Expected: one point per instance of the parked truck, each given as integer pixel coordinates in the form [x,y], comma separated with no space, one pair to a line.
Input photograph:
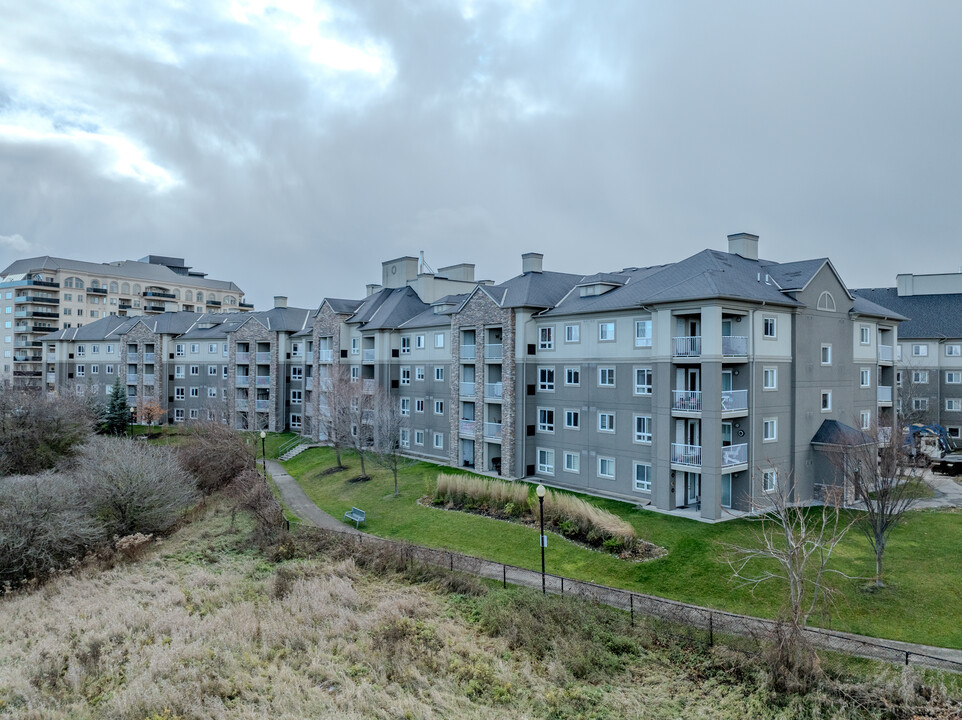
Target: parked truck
[929,444]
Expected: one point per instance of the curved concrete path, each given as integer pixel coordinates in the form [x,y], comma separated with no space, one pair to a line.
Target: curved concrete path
[301,505]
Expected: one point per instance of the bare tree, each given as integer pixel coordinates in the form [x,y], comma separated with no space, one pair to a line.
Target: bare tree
[37,431]
[214,454]
[334,419]
[358,422]
[916,400]
[387,424]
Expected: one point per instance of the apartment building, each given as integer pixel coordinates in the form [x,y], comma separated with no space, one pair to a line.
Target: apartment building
[44,294]
[928,357]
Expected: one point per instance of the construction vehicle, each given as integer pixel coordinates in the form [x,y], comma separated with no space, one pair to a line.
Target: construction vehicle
[928,444]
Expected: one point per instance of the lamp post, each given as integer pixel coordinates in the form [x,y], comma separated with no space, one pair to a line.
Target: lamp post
[540,491]
[264,451]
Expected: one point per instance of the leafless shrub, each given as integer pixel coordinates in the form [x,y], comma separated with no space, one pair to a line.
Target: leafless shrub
[132,546]
[255,497]
[214,455]
[37,431]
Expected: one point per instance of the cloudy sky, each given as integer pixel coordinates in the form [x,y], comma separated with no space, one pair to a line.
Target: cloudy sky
[292,145]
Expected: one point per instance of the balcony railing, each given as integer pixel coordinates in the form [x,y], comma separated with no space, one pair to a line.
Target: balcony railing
[368,355]
[213,303]
[467,389]
[734,346]
[242,380]
[262,381]
[155,294]
[99,291]
[735,455]
[148,378]
[309,383]
[308,357]
[243,358]
[263,358]
[492,430]
[686,400]
[493,352]
[885,393]
[148,357]
[262,405]
[368,385]
[27,358]
[468,352]
[37,299]
[133,357]
[492,390]
[241,404]
[154,308]
[325,356]
[51,377]
[885,353]
[688,346]
[467,427]
[734,400]
[131,378]
[689,455]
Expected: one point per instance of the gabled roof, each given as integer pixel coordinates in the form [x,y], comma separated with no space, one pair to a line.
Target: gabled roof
[533,289]
[388,308]
[341,306]
[929,316]
[832,432]
[794,275]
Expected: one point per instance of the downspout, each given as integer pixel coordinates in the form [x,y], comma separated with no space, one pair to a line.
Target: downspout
[752,423]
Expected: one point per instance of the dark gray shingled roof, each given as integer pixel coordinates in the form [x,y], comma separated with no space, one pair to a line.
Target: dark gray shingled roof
[96,330]
[929,316]
[832,432]
[793,275]
[533,289]
[388,309]
[428,318]
[343,307]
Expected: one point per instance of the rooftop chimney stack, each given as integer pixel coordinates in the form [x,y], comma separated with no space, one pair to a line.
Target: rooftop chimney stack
[280,301]
[532,262]
[744,244]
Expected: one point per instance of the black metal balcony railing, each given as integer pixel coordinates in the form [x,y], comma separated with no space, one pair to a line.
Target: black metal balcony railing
[97,291]
[215,303]
[43,283]
[39,299]
[158,294]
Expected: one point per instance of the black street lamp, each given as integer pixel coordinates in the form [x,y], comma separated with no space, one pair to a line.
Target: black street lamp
[264,451]
[540,491]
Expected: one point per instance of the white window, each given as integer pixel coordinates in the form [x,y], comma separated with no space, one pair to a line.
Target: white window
[95,349]
[606,467]
[826,354]
[439,440]
[642,333]
[546,461]
[194,348]
[898,353]
[297,397]
[572,333]
[295,421]
[405,344]
[770,378]
[572,419]
[439,373]
[546,378]
[195,369]
[297,373]
[419,405]
[179,349]
[405,439]
[439,407]
[419,342]
[419,372]
[546,338]
[866,417]
[439,340]
[920,350]
[178,371]
[954,431]
[770,429]
[920,403]
[95,313]
[769,327]
[80,371]
[572,376]
[606,421]
[212,392]
[212,348]
[864,335]
[224,374]
[405,406]
[419,437]
[212,370]
[405,376]
[80,351]
[953,377]
[642,477]
[643,428]
[355,346]
[109,369]
[355,374]
[826,400]
[178,393]
[546,420]
[953,404]
[606,377]
[864,377]
[826,301]
[195,392]
[178,414]
[110,349]
[606,331]
[643,381]
[920,377]
[572,462]
[769,479]
[953,350]
[95,369]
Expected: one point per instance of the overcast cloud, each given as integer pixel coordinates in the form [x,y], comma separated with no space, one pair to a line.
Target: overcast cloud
[292,146]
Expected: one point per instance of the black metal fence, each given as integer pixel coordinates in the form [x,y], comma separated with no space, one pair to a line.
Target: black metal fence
[681,621]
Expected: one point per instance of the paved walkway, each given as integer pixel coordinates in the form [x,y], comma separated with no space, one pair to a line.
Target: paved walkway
[301,505]
[948,492]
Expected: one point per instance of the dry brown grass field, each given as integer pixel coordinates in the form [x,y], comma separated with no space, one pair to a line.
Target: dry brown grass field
[203,626]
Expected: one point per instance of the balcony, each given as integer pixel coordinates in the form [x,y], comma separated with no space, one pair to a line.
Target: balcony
[37,299]
[688,401]
[885,353]
[43,283]
[131,378]
[101,291]
[133,357]
[246,305]
[734,401]
[242,381]
[493,352]
[492,391]
[242,404]
[325,356]
[263,358]
[213,303]
[688,346]
[687,455]
[492,430]
[885,394]
[262,405]
[243,358]
[148,379]
[734,346]
[156,294]
[262,381]
[27,373]
[367,355]
[468,352]
[468,427]
[308,383]
[467,389]
[733,455]
[148,358]
[27,358]
[308,357]
[154,308]
[368,385]
[125,306]
[51,377]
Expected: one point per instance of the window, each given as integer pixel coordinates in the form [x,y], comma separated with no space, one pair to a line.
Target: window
[405,376]
[546,420]
[864,335]
[95,369]
[439,440]
[419,342]
[826,354]
[178,371]
[606,377]
[295,421]
[405,406]
[606,467]
[572,333]
[94,313]
[212,392]
[355,374]
[546,461]
[195,369]
[642,477]
[80,351]
[80,371]
[405,439]
[769,327]
[212,370]
[109,369]
[179,349]
[920,376]
[546,338]
[572,462]
[866,417]
[95,349]
[643,428]
[572,376]
[405,344]
[195,392]
[864,377]
[572,420]
[110,349]
[297,397]
[194,413]
[769,479]
[439,373]
[770,430]
[643,381]
[355,346]
[920,350]
[953,377]
[297,373]
[954,431]
[224,374]
[439,340]
[826,301]
[642,333]
[194,348]
[606,331]
[770,378]
[546,379]
[920,403]
[953,350]
[953,404]
[419,372]
[439,407]
[178,414]
[212,348]
[419,405]
[179,393]
[606,421]
[826,400]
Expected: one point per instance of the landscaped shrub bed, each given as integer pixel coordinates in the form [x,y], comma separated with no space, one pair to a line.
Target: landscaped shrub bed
[570,516]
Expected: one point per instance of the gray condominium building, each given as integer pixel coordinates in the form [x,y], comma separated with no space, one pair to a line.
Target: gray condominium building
[696,387]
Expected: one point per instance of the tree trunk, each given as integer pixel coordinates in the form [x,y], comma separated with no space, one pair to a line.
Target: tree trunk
[360,455]
[395,482]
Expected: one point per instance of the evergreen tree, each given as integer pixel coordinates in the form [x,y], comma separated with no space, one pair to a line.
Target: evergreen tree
[118,414]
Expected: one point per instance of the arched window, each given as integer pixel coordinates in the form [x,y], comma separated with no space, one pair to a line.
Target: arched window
[189,296]
[229,299]
[113,287]
[826,301]
[176,294]
[200,296]
[125,288]
[136,289]
[68,283]
[95,283]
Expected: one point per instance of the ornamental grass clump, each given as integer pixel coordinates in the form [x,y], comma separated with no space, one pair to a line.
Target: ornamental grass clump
[580,520]
[469,492]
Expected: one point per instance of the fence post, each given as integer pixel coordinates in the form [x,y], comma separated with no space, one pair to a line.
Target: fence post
[906,658]
[504,576]
[631,602]
[562,585]
[451,558]
[711,628]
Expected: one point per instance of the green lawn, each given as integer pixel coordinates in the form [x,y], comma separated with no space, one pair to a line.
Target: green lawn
[920,603]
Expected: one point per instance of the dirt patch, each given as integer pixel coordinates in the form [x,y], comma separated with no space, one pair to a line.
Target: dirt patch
[332,470]
[359,478]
